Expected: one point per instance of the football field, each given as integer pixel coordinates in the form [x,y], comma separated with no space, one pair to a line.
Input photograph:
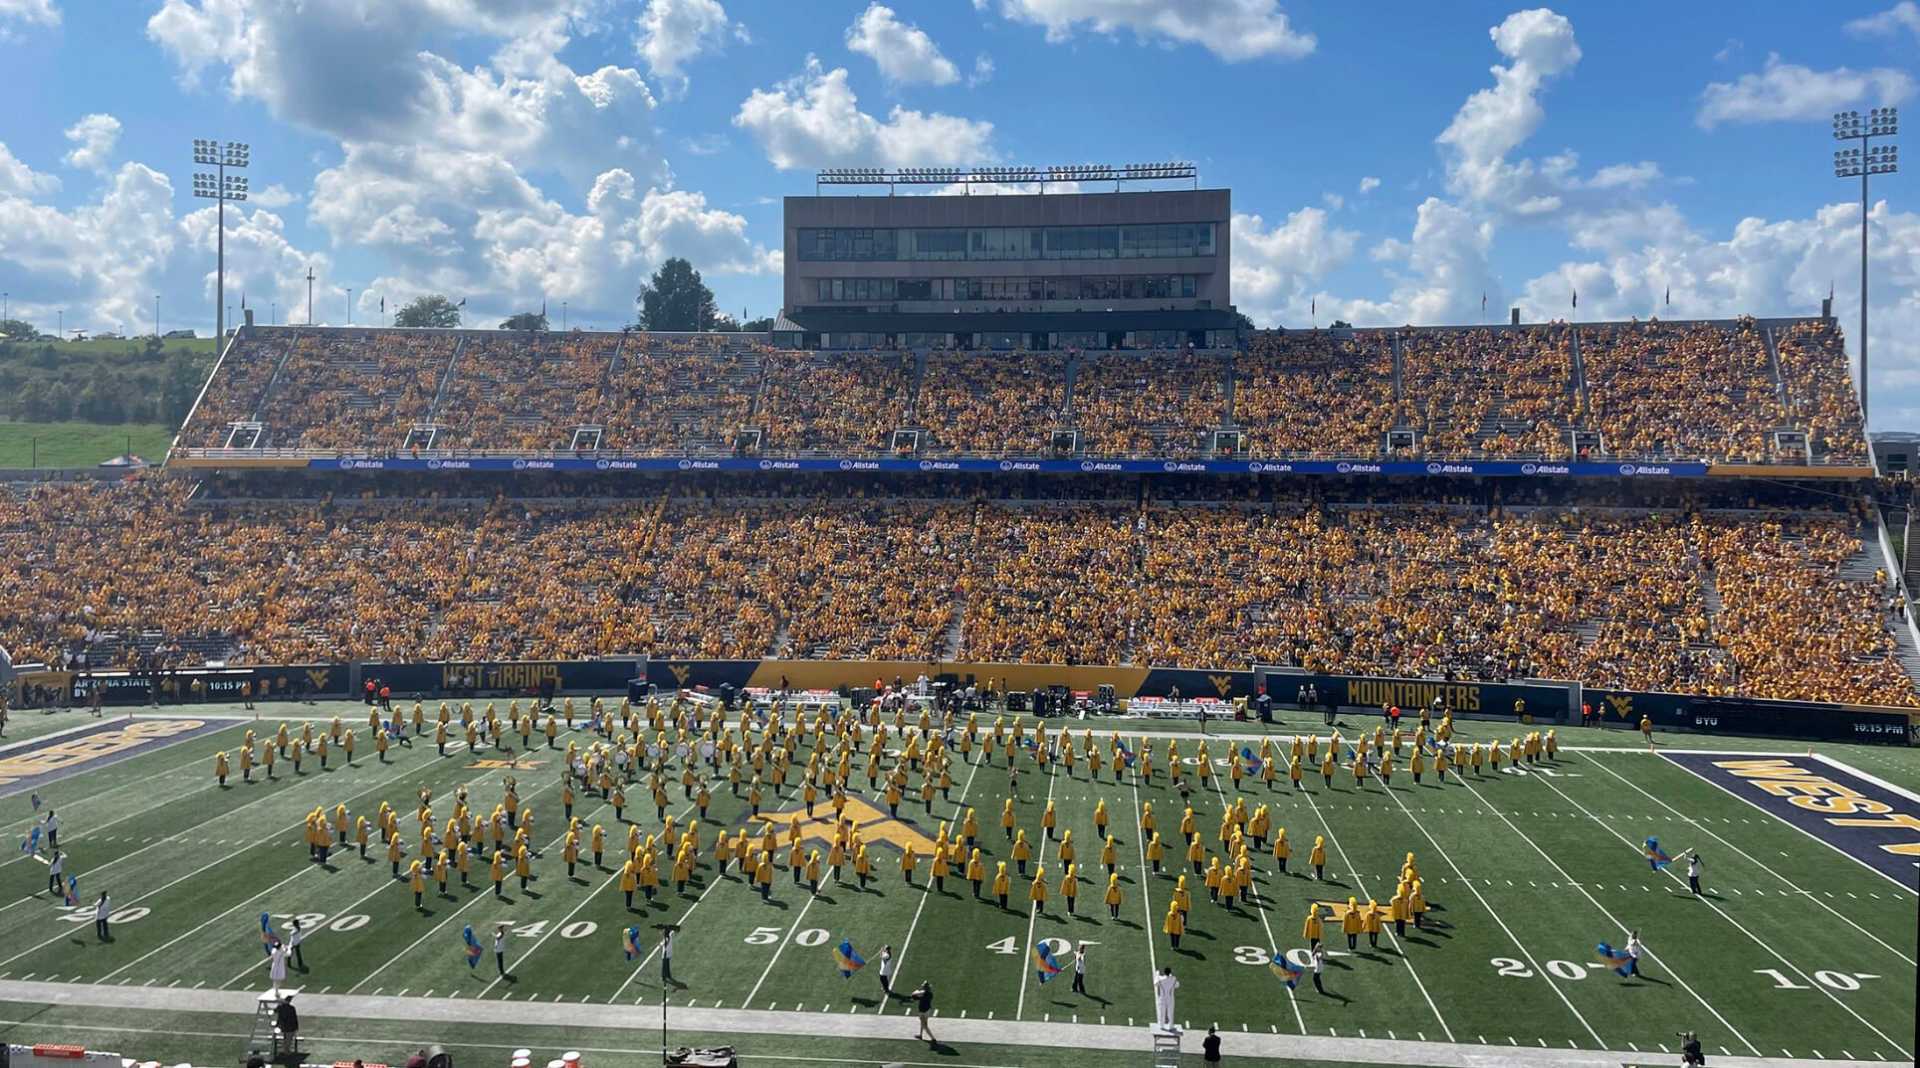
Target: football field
[1800,946]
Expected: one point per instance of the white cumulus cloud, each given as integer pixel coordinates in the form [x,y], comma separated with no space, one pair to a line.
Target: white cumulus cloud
[814,120]
[1789,92]
[903,52]
[94,138]
[672,33]
[1904,15]
[1234,30]
[1369,184]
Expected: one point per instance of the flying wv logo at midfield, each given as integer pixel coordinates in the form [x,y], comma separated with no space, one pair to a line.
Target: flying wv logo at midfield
[873,824]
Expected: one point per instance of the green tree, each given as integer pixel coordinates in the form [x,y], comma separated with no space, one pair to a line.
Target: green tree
[676,299]
[179,389]
[429,310]
[100,402]
[17,330]
[526,321]
[758,326]
[57,403]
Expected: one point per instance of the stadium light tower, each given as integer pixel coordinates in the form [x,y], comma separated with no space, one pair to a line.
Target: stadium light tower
[1862,162]
[220,188]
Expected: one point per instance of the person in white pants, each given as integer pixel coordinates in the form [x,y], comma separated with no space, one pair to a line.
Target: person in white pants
[277,965]
[1163,987]
[886,970]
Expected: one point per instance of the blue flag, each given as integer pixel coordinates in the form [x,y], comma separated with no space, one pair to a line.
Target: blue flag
[1044,963]
[31,843]
[1284,968]
[474,952]
[267,937]
[1254,763]
[1657,858]
[73,890]
[1125,753]
[1617,960]
[630,943]
[847,959]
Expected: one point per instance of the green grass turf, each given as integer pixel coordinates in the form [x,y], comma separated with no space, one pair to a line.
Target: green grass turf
[79,444]
[1553,864]
[26,724]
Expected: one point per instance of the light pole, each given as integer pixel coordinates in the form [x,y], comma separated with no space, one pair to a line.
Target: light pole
[220,188]
[1861,162]
[309,296]
[349,305]
[563,316]
[156,316]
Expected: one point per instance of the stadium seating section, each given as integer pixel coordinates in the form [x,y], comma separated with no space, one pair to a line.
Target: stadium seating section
[1714,391]
[1780,604]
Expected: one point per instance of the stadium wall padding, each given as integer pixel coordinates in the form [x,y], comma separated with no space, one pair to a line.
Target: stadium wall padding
[517,676]
[217,684]
[1753,716]
[1549,701]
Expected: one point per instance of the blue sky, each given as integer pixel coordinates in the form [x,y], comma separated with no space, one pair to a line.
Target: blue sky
[1388,163]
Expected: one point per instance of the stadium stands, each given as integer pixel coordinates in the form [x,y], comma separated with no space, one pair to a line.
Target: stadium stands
[1767,603]
[1748,391]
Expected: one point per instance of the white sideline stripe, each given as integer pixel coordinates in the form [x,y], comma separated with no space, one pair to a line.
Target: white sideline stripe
[1795,826]
[1743,930]
[1797,888]
[1033,907]
[464,906]
[201,871]
[1348,861]
[959,809]
[1870,777]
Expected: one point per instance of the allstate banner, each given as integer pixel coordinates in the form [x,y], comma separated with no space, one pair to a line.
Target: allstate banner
[1464,697]
[656,464]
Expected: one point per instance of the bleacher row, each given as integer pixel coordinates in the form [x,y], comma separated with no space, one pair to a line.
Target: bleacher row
[1715,391]
[1732,601]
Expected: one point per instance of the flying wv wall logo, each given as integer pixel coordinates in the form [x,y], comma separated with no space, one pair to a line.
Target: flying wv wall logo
[1044,963]
[873,825]
[681,673]
[1221,683]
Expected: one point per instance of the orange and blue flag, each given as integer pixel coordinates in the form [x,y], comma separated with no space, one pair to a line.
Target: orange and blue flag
[630,943]
[1285,969]
[847,959]
[1657,858]
[73,890]
[267,937]
[1126,754]
[1619,960]
[474,952]
[1254,763]
[31,843]
[1044,963]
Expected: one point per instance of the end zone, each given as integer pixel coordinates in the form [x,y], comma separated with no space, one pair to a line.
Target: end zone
[1852,813]
[56,757]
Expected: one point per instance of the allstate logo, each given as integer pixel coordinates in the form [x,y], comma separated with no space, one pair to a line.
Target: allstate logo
[433,465]
[766,465]
[1528,469]
[926,465]
[1006,465]
[685,464]
[601,465]
[1626,469]
[1433,469]
[519,465]
[346,465]
[1169,466]
[846,465]
[1086,465]
[1343,467]
[1256,467]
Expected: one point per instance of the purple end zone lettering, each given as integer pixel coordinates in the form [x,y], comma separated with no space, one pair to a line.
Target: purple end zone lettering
[1868,822]
[106,743]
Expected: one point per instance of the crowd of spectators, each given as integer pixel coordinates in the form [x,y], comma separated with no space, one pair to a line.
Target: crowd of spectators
[1611,597]
[1315,393]
[992,402]
[1149,403]
[1656,391]
[1679,390]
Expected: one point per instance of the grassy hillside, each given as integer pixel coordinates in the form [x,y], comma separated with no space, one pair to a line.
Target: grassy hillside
[79,444]
[113,382]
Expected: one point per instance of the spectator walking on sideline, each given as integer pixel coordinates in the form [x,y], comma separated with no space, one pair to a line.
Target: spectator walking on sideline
[886,970]
[1210,1049]
[101,910]
[1080,968]
[1163,987]
[296,935]
[923,1007]
[55,866]
[1693,872]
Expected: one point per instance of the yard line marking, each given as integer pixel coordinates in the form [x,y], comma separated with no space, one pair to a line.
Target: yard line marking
[589,896]
[1743,930]
[1259,906]
[201,871]
[1767,868]
[635,974]
[1033,907]
[216,917]
[1146,876]
[1494,913]
[959,808]
[1348,861]
[1603,911]
[464,906]
[777,950]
